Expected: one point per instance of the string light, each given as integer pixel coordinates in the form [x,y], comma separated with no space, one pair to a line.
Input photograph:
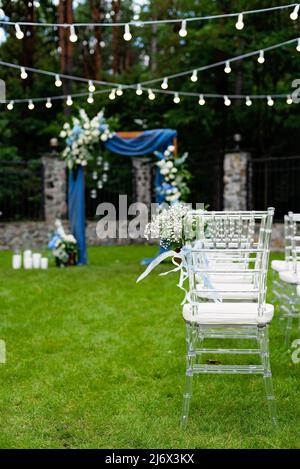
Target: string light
[248,101]
[119,91]
[289,99]
[201,100]
[112,95]
[48,103]
[298,45]
[69,101]
[23,74]
[164,84]
[139,90]
[91,86]
[127,34]
[261,57]
[194,76]
[58,81]
[90,99]
[151,95]
[176,98]
[183,30]
[73,36]
[270,101]
[227,68]
[294,14]
[30,105]
[10,105]
[19,32]
[227,101]
[240,23]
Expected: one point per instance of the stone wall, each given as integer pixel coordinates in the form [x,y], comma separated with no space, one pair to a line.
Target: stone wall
[24,235]
[55,188]
[235,181]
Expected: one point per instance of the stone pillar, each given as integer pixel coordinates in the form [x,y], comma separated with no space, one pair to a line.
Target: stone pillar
[235,181]
[142,180]
[55,188]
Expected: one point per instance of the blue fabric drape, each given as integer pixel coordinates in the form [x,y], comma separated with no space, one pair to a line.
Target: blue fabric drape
[77,211]
[147,142]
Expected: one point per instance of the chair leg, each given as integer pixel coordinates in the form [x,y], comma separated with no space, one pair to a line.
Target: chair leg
[265,358]
[288,330]
[187,396]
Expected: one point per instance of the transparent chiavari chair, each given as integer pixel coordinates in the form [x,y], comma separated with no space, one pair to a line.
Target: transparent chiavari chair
[215,315]
[290,279]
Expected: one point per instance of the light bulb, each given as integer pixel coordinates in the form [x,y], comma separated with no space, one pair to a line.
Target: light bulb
[58,81]
[227,68]
[112,95]
[19,32]
[91,86]
[73,36]
[183,31]
[240,23]
[298,45]
[139,90]
[127,34]
[164,84]
[194,76]
[248,101]
[261,57]
[10,105]
[24,74]
[227,101]
[151,95]
[30,105]
[90,99]
[289,99]
[176,99]
[294,14]
[270,101]
[201,100]
[119,91]
[48,103]
[69,101]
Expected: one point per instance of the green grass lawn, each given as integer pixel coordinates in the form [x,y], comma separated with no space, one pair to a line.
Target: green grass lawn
[96,361]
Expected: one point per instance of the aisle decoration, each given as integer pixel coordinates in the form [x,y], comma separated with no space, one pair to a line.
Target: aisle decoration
[63,246]
[174,175]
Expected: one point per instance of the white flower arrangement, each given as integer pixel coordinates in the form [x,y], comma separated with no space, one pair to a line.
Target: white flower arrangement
[83,137]
[63,245]
[175,176]
[167,226]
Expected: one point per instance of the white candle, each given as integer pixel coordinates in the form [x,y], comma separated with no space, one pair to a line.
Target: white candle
[17,261]
[27,262]
[36,260]
[44,263]
[27,253]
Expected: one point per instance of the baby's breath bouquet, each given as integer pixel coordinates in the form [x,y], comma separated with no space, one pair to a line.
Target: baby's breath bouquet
[167,226]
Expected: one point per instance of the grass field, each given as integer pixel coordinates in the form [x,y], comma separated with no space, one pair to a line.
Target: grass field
[96,361]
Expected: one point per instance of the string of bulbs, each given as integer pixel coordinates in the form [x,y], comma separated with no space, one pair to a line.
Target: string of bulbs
[113,94]
[118,87]
[127,31]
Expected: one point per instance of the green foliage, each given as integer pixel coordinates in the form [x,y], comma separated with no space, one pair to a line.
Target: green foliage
[204,131]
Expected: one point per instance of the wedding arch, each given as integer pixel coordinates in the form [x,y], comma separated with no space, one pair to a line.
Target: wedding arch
[130,144]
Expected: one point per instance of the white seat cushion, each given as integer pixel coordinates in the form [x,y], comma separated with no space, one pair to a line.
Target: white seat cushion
[279,266]
[289,277]
[231,291]
[228,313]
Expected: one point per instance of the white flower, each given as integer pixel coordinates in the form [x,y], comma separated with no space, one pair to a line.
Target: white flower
[103,137]
[171,148]
[63,134]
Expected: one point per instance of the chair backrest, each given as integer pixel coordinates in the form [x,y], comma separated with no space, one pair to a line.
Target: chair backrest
[236,239]
[292,243]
